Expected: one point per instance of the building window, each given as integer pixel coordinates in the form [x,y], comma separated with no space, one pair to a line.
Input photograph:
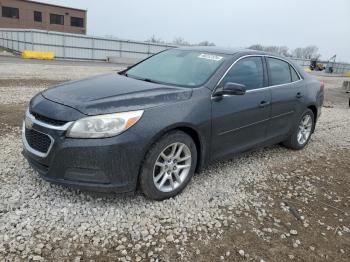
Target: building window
[77,21]
[10,12]
[56,19]
[38,17]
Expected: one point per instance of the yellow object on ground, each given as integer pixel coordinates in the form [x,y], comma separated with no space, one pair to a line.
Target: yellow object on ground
[308,70]
[38,55]
[347,74]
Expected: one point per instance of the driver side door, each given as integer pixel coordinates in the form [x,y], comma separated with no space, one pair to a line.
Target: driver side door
[239,122]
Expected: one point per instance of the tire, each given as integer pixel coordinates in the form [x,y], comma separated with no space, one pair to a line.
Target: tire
[155,164]
[297,144]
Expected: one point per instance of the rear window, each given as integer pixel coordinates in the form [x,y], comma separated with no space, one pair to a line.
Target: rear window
[279,71]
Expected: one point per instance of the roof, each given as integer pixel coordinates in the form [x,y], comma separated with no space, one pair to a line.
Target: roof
[60,6]
[219,50]
[234,51]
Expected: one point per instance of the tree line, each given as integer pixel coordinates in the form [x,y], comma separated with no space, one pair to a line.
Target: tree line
[308,52]
[178,41]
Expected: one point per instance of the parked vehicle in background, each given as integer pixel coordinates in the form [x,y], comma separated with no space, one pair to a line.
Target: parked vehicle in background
[314,65]
[153,125]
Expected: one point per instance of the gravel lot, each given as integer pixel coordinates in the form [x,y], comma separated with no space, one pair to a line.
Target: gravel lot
[273,204]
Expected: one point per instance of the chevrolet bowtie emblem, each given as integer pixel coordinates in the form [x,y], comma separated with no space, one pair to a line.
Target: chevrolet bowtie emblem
[29,123]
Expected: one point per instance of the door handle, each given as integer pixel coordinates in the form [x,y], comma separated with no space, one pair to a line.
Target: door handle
[264,103]
[299,95]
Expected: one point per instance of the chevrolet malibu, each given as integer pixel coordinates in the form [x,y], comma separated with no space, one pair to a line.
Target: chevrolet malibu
[153,125]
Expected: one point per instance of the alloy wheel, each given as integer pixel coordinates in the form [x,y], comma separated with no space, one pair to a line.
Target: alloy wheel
[304,131]
[172,167]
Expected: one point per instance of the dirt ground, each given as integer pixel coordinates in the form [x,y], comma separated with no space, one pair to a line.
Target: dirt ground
[307,199]
[315,217]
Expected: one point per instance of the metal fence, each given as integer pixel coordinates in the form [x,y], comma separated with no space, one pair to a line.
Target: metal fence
[338,68]
[72,46]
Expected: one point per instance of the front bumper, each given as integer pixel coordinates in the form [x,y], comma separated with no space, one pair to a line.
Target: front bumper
[102,165]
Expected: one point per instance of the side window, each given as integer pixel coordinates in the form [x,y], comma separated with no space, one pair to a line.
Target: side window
[247,71]
[295,76]
[279,71]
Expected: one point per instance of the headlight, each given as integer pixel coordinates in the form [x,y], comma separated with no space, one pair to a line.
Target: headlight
[104,125]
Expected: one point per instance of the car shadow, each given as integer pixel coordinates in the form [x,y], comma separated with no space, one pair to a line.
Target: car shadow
[214,167]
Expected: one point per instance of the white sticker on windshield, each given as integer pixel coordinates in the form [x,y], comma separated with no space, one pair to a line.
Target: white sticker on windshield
[210,57]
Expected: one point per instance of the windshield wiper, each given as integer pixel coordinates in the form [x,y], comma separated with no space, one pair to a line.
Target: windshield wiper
[143,79]
[150,80]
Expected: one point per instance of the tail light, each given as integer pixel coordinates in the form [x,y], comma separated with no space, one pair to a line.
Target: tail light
[322,86]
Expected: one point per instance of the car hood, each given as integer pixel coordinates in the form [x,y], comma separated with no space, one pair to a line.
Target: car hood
[112,93]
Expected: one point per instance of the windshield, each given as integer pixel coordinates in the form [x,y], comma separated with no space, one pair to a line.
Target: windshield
[178,67]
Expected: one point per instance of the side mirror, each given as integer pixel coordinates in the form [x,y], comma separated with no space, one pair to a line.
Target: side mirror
[232,89]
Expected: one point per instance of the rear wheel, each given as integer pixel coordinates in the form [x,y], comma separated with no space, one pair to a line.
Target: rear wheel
[168,166]
[302,133]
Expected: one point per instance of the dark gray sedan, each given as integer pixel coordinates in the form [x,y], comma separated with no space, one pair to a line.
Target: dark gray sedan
[155,124]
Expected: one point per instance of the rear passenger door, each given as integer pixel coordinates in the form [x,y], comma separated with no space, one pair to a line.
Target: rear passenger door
[285,87]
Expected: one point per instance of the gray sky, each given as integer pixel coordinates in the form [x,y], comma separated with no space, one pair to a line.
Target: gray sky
[227,23]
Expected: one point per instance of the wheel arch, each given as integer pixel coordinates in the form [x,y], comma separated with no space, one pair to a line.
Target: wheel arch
[190,130]
[314,110]
[194,134]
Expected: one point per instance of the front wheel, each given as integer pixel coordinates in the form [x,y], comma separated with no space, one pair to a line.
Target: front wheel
[168,166]
[302,133]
